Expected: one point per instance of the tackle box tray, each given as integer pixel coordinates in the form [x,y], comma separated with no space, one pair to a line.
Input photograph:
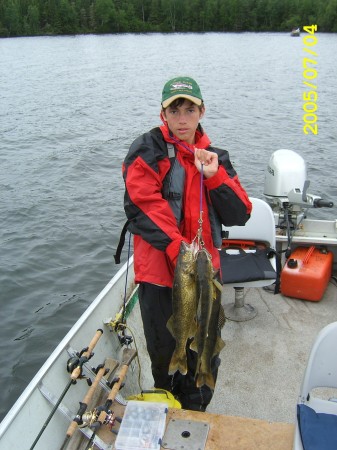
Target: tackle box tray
[142,426]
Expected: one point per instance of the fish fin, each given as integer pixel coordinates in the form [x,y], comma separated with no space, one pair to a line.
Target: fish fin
[218,346]
[217,284]
[222,318]
[207,379]
[194,333]
[197,370]
[178,363]
[193,329]
[194,344]
[169,325]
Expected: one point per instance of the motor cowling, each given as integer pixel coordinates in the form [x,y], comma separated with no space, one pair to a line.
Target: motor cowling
[286,187]
[285,172]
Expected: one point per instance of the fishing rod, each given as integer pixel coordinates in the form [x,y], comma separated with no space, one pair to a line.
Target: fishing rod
[123,338]
[102,415]
[119,323]
[74,367]
[100,371]
[86,355]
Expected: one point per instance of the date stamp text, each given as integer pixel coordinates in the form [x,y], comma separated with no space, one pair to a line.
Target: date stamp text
[310,95]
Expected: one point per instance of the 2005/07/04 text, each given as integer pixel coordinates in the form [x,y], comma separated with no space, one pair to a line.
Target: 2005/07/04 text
[309,76]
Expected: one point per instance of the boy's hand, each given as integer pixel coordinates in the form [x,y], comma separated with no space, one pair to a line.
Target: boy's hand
[209,161]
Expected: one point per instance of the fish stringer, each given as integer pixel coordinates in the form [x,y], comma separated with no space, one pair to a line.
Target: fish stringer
[198,240]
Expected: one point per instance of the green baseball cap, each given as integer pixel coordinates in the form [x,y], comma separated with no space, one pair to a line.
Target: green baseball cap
[178,87]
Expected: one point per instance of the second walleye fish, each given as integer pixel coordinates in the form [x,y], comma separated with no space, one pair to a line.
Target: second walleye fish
[207,342]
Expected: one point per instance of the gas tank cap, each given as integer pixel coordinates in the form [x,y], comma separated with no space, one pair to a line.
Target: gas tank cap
[292,263]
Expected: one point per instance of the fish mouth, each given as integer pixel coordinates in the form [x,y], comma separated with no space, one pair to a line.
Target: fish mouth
[204,253]
[192,247]
[184,246]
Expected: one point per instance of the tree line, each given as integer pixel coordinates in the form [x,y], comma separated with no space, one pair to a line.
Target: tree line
[53,17]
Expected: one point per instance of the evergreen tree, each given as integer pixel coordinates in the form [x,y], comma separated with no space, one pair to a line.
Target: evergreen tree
[32,17]
[12,19]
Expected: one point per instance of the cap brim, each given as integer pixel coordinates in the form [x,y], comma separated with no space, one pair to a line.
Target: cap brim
[195,100]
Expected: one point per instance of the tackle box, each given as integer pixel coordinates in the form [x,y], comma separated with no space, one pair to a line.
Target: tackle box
[306,273]
[142,426]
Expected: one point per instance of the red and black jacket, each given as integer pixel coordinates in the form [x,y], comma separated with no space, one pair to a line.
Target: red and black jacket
[151,205]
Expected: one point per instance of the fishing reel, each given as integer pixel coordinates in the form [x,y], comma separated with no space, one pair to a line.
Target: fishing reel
[119,326]
[72,363]
[124,339]
[91,418]
[77,361]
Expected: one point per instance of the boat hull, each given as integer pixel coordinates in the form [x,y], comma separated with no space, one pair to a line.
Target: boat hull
[29,413]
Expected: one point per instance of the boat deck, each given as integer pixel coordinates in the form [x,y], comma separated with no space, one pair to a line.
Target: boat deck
[262,366]
[259,378]
[240,433]
[224,432]
[264,359]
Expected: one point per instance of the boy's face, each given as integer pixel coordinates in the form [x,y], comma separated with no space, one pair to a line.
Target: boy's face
[183,120]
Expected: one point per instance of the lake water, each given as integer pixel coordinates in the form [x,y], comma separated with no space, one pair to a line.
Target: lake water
[69,109]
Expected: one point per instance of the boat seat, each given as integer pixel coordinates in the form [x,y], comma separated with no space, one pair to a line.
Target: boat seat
[316,424]
[259,229]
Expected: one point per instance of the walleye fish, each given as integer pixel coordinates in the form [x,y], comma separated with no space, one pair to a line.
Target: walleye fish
[210,318]
[204,273]
[213,343]
[182,324]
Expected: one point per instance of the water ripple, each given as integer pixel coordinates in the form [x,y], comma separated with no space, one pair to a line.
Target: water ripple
[71,106]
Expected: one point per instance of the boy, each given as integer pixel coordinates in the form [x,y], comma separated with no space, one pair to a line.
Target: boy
[162,173]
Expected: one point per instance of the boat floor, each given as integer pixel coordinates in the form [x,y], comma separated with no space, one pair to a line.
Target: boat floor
[263,362]
[224,432]
[262,366]
[239,433]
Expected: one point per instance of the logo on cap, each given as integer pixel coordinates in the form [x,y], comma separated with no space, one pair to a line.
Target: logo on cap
[181,86]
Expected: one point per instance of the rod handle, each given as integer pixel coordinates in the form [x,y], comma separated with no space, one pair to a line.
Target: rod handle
[93,342]
[88,397]
[114,391]
[76,373]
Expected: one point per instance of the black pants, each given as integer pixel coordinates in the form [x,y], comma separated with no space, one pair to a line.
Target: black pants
[156,308]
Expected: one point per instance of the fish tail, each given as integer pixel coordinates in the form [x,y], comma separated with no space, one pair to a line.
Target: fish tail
[205,379]
[178,362]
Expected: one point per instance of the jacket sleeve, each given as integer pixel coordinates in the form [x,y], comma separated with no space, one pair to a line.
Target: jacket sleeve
[228,197]
[149,213]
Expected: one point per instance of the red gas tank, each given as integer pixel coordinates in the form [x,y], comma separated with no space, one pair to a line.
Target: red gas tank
[307,273]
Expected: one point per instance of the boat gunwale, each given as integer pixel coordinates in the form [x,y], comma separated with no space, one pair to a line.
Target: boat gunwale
[42,372]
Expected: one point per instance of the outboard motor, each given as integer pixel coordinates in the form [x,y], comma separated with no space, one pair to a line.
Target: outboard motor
[286,189]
